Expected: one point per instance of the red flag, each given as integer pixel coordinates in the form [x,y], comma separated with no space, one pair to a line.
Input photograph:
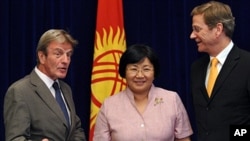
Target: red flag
[110,43]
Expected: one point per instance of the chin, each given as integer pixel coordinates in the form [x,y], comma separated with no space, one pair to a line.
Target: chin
[61,76]
[200,49]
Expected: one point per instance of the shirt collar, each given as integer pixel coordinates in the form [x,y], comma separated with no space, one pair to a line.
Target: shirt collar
[130,94]
[48,81]
[223,54]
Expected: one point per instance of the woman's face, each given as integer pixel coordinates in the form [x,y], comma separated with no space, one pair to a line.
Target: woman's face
[140,76]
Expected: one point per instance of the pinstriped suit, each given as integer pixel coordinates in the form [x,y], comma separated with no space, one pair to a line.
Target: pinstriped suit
[31,112]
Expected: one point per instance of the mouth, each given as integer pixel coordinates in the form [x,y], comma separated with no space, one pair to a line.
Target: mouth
[198,43]
[139,82]
[63,69]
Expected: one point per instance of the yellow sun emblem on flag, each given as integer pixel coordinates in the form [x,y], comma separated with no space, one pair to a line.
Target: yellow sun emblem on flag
[105,79]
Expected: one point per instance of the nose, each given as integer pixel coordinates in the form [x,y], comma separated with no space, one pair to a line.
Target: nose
[66,58]
[139,73]
[192,35]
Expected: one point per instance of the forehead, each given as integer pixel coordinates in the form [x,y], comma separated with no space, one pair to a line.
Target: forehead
[198,20]
[63,45]
[143,62]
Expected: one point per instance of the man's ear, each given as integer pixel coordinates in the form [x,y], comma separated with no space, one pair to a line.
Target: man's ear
[219,28]
[41,57]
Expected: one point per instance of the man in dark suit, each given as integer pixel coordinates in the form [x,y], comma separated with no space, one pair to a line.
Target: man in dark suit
[31,111]
[229,100]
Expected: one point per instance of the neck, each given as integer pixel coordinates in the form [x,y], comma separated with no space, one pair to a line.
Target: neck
[141,102]
[219,46]
[140,97]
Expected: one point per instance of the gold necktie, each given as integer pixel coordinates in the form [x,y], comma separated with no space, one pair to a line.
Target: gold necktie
[212,76]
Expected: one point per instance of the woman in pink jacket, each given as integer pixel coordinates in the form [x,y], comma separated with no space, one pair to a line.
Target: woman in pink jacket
[142,112]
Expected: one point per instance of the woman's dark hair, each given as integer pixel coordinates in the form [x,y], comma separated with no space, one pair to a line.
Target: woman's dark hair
[135,54]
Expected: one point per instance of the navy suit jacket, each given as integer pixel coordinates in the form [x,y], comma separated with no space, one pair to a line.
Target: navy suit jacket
[229,103]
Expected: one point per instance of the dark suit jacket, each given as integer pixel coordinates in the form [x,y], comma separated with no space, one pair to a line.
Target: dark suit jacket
[229,103]
[32,113]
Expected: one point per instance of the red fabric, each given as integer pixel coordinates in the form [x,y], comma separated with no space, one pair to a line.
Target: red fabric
[109,43]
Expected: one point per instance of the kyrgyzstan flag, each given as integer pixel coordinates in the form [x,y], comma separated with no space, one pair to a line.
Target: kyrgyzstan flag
[109,45]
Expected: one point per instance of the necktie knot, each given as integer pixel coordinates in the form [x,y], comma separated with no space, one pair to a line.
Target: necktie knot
[214,62]
[55,86]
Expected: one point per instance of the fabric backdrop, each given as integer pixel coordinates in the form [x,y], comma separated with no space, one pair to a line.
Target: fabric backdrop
[163,25]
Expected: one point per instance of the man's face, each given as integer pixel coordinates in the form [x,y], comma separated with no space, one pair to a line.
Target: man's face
[56,63]
[203,36]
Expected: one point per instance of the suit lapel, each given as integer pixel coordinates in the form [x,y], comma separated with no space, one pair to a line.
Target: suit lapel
[66,95]
[230,63]
[44,93]
[203,67]
[67,98]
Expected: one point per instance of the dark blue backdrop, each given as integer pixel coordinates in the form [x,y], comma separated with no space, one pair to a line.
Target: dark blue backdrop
[164,25]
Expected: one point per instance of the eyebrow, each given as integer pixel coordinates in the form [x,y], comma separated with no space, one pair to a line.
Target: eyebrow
[196,28]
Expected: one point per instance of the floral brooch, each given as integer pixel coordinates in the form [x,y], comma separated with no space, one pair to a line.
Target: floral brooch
[158,101]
